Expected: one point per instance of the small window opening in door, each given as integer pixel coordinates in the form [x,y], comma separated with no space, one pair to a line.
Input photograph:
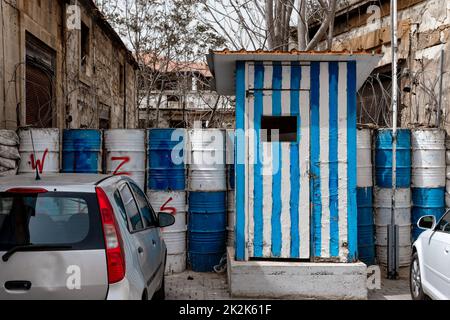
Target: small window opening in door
[285,127]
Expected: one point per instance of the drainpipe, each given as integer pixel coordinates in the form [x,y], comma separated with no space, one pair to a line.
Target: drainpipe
[438,111]
[125,94]
[393,229]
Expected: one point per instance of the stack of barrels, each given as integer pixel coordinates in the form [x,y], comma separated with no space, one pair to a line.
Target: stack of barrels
[231,199]
[383,193]
[428,175]
[366,236]
[207,185]
[167,190]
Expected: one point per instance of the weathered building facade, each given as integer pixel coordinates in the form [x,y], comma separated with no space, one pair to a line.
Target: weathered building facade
[63,66]
[424,36]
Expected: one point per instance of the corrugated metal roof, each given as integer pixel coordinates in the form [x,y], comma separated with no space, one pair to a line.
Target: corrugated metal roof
[293,52]
[223,63]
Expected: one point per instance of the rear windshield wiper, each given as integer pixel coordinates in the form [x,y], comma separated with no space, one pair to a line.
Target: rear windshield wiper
[33,247]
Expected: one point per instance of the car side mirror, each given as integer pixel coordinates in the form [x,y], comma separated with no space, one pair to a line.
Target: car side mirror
[165,220]
[427,222]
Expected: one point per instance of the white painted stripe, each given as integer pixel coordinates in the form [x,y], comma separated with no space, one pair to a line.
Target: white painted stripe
[267,169]
[342,156]
[324,158]
[286,170]
[305,84]
[249,186]
[304,154]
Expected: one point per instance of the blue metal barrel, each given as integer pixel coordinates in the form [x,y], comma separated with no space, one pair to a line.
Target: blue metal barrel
[366,238]
[164,172]
[383,158]
[82,151]
[207,229]
[426,202]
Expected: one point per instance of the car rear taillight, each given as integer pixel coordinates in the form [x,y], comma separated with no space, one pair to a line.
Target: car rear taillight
[27,190]
[115,255]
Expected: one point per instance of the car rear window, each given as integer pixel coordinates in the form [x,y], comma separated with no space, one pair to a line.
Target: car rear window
[52,218]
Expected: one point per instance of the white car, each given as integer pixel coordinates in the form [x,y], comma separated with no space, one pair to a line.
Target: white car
[74,236]
[430,265]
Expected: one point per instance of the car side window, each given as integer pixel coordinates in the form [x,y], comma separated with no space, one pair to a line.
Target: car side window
[444,224]
[131,209]
[121,206]
[146,210]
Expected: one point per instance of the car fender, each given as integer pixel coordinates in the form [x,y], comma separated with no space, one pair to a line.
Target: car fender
[419,247]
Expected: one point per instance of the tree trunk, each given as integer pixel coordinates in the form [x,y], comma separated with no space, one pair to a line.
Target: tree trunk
[331,11]
[269,24]
[331,27]
[287,30]
[302,27]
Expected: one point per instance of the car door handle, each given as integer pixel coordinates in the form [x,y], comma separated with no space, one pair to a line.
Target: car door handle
[140,250]
[18,285]
[447,250]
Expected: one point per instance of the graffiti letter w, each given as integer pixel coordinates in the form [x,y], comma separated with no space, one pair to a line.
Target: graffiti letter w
[38,163]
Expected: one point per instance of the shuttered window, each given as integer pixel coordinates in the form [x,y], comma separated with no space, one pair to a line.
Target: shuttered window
[40,66]
[39,97]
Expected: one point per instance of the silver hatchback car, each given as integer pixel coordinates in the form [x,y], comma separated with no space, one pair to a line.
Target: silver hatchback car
[79,237]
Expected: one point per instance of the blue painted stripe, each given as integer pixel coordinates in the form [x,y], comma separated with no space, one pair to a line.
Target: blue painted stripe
[240,161]
[258,177]
[333,156]
[276,186]
[296,74]
[316,195]
[351,154]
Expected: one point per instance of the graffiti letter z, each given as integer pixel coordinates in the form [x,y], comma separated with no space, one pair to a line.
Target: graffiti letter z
[124,160]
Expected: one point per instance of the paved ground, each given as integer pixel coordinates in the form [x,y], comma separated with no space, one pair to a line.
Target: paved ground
[210,286]
[197,286]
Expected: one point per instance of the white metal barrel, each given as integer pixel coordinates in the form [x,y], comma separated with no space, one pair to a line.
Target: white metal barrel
[125,154]
[364,155]
[231,212]
[402,214]
[428,158]
[174,236]
[405,254]
[207,170]
[176,263]
[383,205]
[44,155]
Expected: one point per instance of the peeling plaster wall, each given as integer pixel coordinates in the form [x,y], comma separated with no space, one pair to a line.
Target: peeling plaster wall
[424,31]
[79,91]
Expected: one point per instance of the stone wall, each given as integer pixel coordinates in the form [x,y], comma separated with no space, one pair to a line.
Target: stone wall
[424,31]
[83,93]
